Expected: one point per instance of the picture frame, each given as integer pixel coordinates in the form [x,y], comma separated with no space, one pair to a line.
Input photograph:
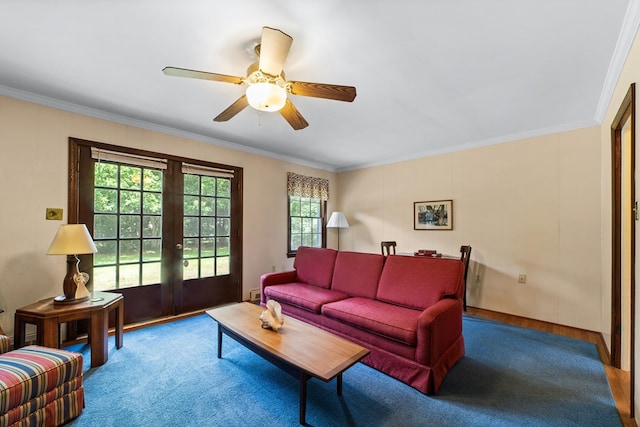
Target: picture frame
[433,215]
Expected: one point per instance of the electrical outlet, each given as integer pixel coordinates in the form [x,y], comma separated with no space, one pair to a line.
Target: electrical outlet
[254,294]
[522,278]
[273,268]
[477,278]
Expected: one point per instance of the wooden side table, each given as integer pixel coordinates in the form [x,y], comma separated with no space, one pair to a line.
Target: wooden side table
[48,316]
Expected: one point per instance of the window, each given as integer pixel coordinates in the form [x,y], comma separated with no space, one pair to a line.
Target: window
[307,205]
[305,222]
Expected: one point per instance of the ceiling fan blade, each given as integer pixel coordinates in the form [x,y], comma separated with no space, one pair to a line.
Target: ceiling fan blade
[274,48]
[194,74]
[240,104]
[323,90]
[293,116]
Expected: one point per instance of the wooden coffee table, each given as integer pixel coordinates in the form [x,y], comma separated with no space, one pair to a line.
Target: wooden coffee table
[298,348]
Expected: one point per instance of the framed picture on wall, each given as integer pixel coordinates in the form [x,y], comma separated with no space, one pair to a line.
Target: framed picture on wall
[433,215]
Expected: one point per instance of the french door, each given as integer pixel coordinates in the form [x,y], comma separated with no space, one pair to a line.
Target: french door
[167,229]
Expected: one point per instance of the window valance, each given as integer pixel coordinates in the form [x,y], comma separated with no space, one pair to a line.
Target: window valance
[307,186]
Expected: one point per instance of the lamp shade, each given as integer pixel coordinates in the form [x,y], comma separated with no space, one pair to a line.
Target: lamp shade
[72,239]
[338,220]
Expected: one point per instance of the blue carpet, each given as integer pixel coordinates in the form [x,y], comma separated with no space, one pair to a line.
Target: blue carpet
[169,375]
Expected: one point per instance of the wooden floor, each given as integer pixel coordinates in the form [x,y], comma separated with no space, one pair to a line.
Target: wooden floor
[618,380]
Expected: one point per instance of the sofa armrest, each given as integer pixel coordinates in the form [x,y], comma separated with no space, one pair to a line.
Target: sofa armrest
[277,278]
[439,326]
[5,344]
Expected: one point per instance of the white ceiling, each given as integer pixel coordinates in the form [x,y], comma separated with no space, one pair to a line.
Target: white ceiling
[432,76]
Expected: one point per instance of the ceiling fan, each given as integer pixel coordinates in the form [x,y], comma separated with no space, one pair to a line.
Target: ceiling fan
[267,88]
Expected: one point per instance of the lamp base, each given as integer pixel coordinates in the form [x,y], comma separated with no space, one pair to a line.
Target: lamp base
[62,300]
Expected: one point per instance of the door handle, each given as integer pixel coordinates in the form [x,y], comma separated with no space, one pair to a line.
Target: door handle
[179,246]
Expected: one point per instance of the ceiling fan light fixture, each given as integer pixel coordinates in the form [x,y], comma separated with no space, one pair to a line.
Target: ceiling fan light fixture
[266,96]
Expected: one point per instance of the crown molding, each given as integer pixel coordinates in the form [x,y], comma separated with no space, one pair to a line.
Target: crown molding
[627,35]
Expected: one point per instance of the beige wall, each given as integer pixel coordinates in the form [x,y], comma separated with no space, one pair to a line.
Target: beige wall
[33,177]
[529,206]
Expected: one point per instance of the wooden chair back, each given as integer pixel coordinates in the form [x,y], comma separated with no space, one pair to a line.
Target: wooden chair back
[465,254]
[387,247]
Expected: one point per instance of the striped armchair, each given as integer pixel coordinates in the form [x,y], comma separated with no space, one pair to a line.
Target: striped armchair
[5,341]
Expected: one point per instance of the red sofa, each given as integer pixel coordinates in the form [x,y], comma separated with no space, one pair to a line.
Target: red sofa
[406,310]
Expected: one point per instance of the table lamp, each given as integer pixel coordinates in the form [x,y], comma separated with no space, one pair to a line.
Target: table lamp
[73,240]
[338,220]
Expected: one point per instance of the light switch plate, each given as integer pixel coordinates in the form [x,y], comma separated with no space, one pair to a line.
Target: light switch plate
[54,214]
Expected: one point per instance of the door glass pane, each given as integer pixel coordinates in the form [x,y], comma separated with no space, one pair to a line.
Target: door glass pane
[107,252]
[208,186]
[152,203]
[191,205]
[151,250]
[207,267]
[152,226]
[152,180]
[105,226]
[191,184]
[208,206]
[222,265]
[208,247]
[151,273]
[191,226]
[207,226]
[191,270]
[129,251]
[222,246]
[130,177]
[104,278]
[105,200]
[130,202]
[129,276]
[106,175]
[127,227]
[191,248]
[223,227]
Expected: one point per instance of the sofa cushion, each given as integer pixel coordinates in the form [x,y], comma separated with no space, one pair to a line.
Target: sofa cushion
[315,265]
[357,273]
[388,320]
[419,282]
[303,295]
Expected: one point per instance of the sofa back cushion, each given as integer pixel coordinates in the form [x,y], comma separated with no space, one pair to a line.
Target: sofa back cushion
[420,282]
[357,273]
[315,265]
